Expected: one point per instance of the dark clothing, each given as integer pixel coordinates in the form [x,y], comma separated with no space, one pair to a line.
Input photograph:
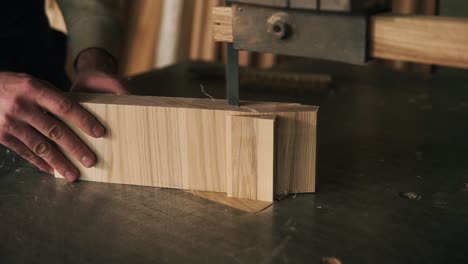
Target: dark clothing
[29,45]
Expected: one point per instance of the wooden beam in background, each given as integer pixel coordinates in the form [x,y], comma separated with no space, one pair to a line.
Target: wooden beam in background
[422,39]
[176,33]
[413,7]
[142,21]
[202,46]
[182,143]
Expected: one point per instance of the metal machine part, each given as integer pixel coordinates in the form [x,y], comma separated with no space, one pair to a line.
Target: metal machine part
[232,72]
[335,30]
[232,75]
[336,37]
[322,5]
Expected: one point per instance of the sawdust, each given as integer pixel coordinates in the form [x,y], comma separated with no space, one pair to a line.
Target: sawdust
[202,89]
[205,93]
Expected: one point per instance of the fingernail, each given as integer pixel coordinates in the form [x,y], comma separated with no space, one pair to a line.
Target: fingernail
[98,131]
[71,176]
[88,161]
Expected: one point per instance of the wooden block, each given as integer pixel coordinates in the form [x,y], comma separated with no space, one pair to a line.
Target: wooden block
[296,152]
[251,206]
[222,24]
[422,39]
[181,142]
[250,157]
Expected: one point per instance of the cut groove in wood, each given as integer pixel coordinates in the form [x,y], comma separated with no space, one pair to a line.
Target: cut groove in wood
[181,142]
[423,39]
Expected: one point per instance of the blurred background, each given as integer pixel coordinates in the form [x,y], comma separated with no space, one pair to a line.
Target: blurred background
[158,33]
[185,25]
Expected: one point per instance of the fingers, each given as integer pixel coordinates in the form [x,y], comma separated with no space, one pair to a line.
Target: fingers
[99,83]
[44,149]
[60,105]
[22,150]
[61,134]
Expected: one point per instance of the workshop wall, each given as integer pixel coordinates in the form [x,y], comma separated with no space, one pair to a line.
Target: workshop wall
[158,33]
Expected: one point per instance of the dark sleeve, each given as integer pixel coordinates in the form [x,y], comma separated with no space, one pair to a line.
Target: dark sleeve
[92,24]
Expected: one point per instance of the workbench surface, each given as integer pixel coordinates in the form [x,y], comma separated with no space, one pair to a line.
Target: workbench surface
[392,187]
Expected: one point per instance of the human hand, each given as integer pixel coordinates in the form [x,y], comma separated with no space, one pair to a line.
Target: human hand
[28,129]
[98,82]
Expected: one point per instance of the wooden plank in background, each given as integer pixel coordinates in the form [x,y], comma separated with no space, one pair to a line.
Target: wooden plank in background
[199,12]
[202,45]
[142,18]
[210,48]
[422,39]
[181,142]
[245,58]
[54,14]
[176,28]
[266,60]
[413,7]
[250,157]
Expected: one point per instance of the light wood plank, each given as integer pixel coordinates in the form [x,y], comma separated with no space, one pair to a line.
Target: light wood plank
[251,206]
[181,142]
[250,157]
[222,24]
[422,39]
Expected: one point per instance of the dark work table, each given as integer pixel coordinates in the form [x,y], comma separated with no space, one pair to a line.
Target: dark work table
[392,185]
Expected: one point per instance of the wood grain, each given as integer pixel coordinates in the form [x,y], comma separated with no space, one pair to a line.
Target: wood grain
[222,24]
[422,39]
[250,157]
[247,205]
[296,152]
[181,142]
